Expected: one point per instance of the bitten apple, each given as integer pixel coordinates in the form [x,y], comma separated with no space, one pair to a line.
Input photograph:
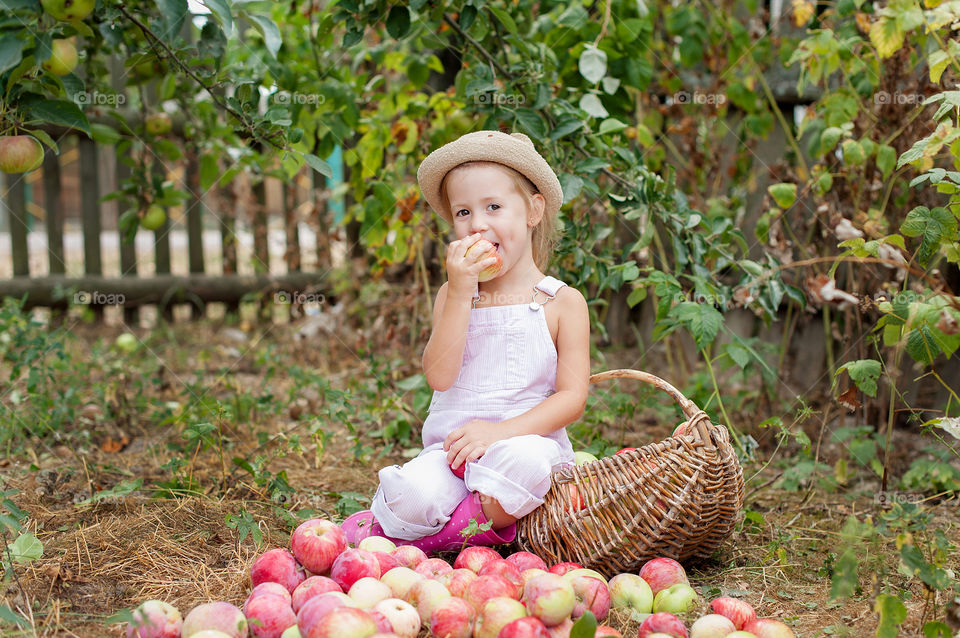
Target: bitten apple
[484,249]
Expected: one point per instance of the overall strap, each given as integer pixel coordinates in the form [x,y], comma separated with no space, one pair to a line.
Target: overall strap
[550,285]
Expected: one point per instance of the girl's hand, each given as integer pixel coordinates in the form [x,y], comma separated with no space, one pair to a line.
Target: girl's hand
[469,442]
[463,271]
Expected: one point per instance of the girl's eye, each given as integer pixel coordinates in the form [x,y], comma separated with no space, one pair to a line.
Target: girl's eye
[462,212]
[494,206]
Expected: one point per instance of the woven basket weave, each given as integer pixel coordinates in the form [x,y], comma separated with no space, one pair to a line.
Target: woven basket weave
[678,498]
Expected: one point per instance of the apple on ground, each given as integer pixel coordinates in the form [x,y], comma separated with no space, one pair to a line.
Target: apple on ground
[629,590]
[549,597]
[739,612]
[69,10]
[425,595]
[506,569]
[575,502]
[63,58]
[352,565]
[624,450]
[369,591]
[387,562]
[663,572]
[383,625]
[433,567]
[526,560]
[606,631]
[484,249]
[526,627]
[768,628]
[583,571]
[562,568]
[591,595]
[344,622]
[403,617]
[155,619]
[741,634]
[271,589]
[318,606]
[486,587]
[662,622]
[269,616]
[474,558]
[495,614]
[527,574]
[409,555]
[311,587]
[561,629]
[712,626]
[209,633]
[316,543]
[400,580]
[292,632]
[377,544]
[219,615]
[20,154]
[457,581]
[277,566]
[452,618]
[676,599]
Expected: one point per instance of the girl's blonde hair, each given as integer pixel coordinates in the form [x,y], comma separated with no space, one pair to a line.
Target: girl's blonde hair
[544,234]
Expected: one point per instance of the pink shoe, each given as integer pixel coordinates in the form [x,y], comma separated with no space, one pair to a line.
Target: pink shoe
[449,538]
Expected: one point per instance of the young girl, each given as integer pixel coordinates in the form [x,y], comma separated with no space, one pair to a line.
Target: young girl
[508,358]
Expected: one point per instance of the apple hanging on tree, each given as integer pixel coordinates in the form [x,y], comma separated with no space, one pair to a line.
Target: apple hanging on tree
[20,154]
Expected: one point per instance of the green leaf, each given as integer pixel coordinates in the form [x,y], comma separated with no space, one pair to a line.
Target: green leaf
[570,185]
[26,548]
[13,617]
[504,18]
[173,13]
[11,52]
[886,159]
[853,153]
[933,226]
[531,123]
[585,627]
[844,579]
[59,112]
[268,29]
[829,139]
[933,576]
[922,344]
[593,106]
[209,170]
[121,489]
[103,134]
[784,194]
[864,373]
[565,126]
[700,319]
[611,125]
[892,614]
[221,11]
[592,64]
[636,296]
[398,21]
[318,165]
[936,630]
[886,36]
[937,61]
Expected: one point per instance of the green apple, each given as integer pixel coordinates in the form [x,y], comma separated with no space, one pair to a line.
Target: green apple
[63,59]
[158,124]
[629,590]
[582,457]
[126,342]
[69,10]
[583,571]
[20,153]
[154,217]
[676,599]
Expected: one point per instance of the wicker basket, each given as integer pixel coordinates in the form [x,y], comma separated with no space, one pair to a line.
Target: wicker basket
[678,498]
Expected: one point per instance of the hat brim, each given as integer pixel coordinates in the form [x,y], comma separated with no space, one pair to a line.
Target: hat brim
[515,151]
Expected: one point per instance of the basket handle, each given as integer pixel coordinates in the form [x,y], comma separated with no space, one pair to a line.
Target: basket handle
[689,408]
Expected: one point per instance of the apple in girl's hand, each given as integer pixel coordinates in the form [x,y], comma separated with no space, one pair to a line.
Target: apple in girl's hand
[310,588]
[562,568]
[712,626]
[660,573]
[433,567]
[676,599]
[526,560]
[352,565]
[662,622]
[277,566]
[629,590]
[483,249]
[452,618]
[461,470]
[738,611]
[317,543]
[409,555]
[156,619]
[768,628]
[474,558]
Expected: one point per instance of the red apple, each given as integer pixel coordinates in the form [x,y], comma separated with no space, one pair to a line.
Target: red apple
[624,450]
[387,562]
[526,627]
[606,631]
[218,615]
[403,617]
[20,154]
[662,622]
[486,587]
[277,566]
[384,628]
[433,567]
[155,619]
[682,430]
[562,568]
[400,580]
[452,618]
[591,595]
[457,581]
[712,626]
[311,587]
[352,565]
[344,622]
[409,555]
[738,611]
[660,573]
[561,629]
[271,589]
[474,558]
[549,597]
[508,570]
[317,543]
[575,502]
[483,249]
[496,614]
[269,616]
[317,607]
[425,595]
[526,560]
[768,628]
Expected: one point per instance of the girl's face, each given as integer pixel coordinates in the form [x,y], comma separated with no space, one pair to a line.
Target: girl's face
[484,199]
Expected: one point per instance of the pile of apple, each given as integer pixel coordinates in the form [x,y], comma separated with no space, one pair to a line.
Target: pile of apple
[324,589]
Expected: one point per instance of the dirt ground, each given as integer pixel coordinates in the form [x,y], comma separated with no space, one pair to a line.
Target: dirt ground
[104,557]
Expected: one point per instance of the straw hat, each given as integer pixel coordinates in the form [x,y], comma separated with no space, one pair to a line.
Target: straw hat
[514,150]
